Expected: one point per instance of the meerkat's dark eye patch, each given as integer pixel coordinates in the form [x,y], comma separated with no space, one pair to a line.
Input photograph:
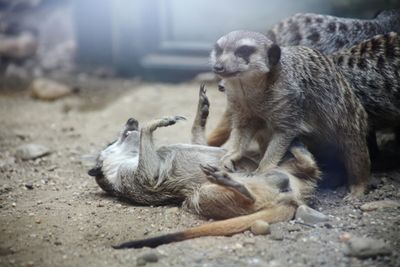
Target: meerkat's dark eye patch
[245,51]
[279,180]
[218,50]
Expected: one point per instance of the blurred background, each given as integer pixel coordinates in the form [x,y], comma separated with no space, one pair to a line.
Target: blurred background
[157,40]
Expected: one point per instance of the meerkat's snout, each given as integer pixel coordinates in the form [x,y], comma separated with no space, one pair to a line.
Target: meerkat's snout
[132,124]
[218,68]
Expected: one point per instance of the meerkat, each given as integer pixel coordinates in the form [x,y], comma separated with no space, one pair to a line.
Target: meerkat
[286,93]
[134,169]
[373,69]
[328,34]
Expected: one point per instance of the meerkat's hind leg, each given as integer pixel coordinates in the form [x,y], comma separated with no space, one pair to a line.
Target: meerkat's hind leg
[199,123]
[214,175]
[164,122]
[357,162]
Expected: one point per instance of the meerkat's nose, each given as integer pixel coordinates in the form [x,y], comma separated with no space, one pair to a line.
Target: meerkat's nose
[131,121]
[218,68]
[132,124]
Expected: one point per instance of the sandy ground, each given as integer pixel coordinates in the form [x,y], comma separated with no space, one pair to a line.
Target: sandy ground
[66,220]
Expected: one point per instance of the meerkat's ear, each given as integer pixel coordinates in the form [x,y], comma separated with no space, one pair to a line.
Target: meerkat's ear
[273,55]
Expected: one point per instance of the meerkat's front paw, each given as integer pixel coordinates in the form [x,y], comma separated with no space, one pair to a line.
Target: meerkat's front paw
[228,162]
[203,107]
[216,176]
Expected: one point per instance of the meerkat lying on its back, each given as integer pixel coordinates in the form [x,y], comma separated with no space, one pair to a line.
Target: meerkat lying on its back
[287,93]
[330,34]
[133,168]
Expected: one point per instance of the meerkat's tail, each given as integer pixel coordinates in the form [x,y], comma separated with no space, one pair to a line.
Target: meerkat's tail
[227,227]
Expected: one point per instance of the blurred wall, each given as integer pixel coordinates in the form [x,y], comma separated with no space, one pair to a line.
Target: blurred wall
[171,39]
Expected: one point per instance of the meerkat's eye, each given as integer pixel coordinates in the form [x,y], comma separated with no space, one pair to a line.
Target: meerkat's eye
[217,49]
[245,51]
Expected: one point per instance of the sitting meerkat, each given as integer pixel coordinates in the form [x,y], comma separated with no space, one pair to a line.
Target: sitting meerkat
[373,69]
[330,34]
[286,93]
[134,169]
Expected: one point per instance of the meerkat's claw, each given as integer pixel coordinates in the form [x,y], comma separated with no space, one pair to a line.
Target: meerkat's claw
[168,121]
[203,90]
[180,118]
[203,109]
[208,169]
[216,176]
[230,166]
[221,86]
[204,101]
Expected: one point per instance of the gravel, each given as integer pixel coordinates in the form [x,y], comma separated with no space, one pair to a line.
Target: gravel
[79,222]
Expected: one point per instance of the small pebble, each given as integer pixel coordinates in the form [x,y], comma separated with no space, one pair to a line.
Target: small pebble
[31,151]
[276,233]
[309,215]
[364,247]
[29,185]
[345,237]
[173,210]
[380,204]
[45,89]
[260,227]
[146,257]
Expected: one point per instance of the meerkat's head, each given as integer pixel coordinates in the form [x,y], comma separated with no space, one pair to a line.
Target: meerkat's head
[118,158]
[240,53]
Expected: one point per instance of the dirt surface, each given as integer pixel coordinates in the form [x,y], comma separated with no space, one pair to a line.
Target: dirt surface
[53,214]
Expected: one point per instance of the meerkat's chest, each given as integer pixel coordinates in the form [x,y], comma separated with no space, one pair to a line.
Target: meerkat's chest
[249,99]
